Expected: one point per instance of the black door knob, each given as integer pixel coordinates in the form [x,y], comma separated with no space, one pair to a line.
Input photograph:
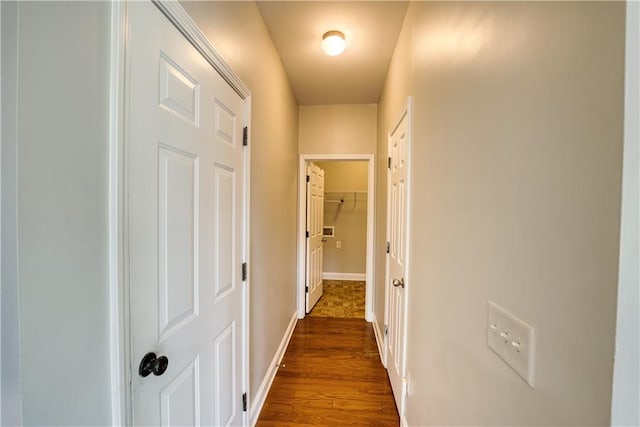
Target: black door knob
[150,364]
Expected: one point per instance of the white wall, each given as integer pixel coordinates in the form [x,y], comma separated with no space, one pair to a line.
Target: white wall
[236,29]
[518,120]
[10,343]
[626,380]
[62,96]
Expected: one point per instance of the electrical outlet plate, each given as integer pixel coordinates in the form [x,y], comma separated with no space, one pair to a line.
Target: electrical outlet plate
[514,340]
[407,378]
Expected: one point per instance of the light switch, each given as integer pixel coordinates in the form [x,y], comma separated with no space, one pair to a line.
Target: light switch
[338,244]
[514,340]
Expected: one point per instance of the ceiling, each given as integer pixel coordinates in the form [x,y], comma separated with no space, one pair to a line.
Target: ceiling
[355,77]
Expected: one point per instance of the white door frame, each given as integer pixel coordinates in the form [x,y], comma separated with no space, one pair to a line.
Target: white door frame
[119,286]
[302,224]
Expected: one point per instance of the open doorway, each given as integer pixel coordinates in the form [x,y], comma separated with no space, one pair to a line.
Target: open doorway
[344,240]
[344,250]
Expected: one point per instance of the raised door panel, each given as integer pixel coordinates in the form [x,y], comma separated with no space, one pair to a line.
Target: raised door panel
[225,261]
[226,380]
[178,92]
[177,239]
[225,124]
[180,399]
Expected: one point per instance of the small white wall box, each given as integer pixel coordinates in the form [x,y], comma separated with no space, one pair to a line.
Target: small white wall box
[328,231]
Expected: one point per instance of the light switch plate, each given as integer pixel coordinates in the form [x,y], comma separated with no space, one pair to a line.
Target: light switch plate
[407,381]
[514,340]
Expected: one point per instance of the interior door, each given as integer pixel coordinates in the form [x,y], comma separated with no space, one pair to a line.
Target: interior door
[397,259]
[315,220]
[184,162]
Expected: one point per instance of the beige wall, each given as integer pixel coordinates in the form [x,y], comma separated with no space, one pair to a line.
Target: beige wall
[348,218]
[345,175]
[338,129]
[236,29]
[516,199]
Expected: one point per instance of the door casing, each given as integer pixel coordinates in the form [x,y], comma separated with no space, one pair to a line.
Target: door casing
[302,224]
[120,334]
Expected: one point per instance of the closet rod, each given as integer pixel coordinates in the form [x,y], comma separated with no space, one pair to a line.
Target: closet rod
[334,201]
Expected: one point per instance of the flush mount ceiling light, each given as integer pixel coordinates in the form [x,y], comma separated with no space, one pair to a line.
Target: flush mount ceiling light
[333,43]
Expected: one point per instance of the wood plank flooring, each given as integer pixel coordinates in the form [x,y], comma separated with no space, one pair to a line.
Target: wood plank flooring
[332,377]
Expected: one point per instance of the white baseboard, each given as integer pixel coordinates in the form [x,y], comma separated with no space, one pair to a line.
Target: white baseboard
[344,276]
[379,338]
[263,391]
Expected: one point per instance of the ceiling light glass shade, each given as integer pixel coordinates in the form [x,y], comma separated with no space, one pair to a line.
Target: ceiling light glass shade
[333,43]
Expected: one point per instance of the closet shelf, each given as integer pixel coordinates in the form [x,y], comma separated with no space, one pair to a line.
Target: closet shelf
[345,196]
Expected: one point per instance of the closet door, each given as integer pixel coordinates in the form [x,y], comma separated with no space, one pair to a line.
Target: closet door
[397,258]
[185,214]
[315,220]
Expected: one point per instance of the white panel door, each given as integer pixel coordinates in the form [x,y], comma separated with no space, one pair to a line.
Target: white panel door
[397,259]
[315,220]
[184,163]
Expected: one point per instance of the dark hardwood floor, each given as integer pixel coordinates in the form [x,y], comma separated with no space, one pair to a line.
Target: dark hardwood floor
[332,377]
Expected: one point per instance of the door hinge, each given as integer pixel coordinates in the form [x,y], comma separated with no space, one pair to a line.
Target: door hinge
[389,162]
[306,289]
[307,234]
[245,136]
[244,271]
[386,330]
[308,178]
[244,402]
[388,247]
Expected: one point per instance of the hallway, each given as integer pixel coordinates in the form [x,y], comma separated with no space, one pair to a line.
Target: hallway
[331,376]
[155,167]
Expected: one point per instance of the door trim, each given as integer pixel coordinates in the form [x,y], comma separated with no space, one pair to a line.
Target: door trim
[626,369]
[119,286]
[183,22]
[302,220]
